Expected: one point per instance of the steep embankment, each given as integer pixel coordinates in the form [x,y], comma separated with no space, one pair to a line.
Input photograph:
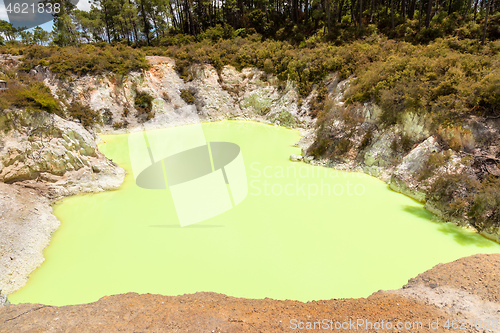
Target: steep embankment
[170,100]
[464,293]
[447,168]
[42,159]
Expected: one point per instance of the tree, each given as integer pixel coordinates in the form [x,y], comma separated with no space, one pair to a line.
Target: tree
[7,31]
[40,36]
[26,37]
[64,30]
[488,5]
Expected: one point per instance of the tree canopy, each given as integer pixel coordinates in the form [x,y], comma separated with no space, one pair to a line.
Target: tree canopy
[154,22]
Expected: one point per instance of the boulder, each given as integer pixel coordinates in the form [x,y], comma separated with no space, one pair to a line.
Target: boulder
[404,178]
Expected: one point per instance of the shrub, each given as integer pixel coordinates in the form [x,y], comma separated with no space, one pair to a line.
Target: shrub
[435,161]
[85,59]
[84,114]
[454,193]
[486,205]
[30,95]
[187,96]
[144,104]
[285,118]
[366,140]
[318,103]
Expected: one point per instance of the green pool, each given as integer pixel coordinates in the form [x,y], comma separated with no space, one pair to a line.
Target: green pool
[303,233]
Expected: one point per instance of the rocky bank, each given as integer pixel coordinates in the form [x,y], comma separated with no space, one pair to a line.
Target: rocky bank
[42,159]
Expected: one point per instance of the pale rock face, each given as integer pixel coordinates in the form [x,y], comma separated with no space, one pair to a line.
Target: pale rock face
[379,157]
[46,158]
[416,126]
[3,300]
[46,143]
[213,102]
[249,94]
[403,178]
[27,225]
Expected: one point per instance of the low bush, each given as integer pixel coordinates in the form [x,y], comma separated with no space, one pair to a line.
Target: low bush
[454,193]
[84,59]
[485,209]
[30,95]
[84,114]
[144,105]
[286,119]
[435,161]
[187,96]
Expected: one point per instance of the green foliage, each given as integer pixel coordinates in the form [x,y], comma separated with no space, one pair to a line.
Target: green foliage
[268,66]
[486,205]
[177,40]
[218,32]
[30,95]
[187,96]
[7,31]
[85,59]
[84,114]
[342,146]
[366,140]
[449,79]
[318,103]
[144,104]
[435,161]
[286,119]
[461,196]
[454,193]
[305,66]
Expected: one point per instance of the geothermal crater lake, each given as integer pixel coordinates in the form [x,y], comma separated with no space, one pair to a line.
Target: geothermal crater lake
[303,232]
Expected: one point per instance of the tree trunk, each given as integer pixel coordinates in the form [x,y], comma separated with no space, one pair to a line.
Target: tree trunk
[411,12]
[360,13]
[371,10]
[420,14]
[392,14]
[341,6]
[486,21]
[353,17]
[469,3]
[428,16]
[145,22]
[328,16]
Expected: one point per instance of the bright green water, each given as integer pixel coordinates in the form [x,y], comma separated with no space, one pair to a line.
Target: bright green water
[299,245]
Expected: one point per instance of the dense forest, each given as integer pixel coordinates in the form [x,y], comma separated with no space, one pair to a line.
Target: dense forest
[154,22]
